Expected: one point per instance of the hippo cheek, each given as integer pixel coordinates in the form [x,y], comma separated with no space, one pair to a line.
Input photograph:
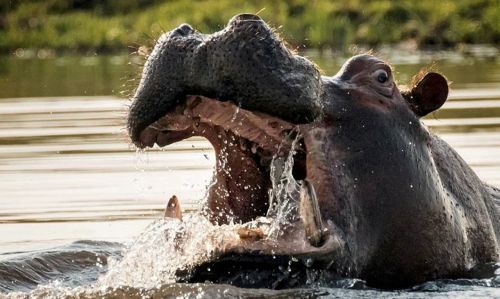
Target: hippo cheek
[319,166]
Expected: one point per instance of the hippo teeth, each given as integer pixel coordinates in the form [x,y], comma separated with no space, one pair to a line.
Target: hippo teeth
[173,209]
[310,215]
[263,131]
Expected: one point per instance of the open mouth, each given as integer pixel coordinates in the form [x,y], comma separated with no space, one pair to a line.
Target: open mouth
[245,145]
[249,146]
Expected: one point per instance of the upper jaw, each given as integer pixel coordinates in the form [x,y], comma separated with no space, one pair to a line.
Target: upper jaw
[188,119]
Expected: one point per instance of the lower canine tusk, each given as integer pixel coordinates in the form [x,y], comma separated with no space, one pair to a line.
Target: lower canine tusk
[311,214]
[173,209]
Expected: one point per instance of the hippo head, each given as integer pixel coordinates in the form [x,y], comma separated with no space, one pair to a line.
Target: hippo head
[370,198]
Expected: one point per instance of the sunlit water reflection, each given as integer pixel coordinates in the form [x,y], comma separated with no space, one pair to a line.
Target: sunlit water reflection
[69,174]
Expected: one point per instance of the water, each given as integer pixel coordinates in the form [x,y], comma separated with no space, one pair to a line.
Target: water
[81,208]
[284,194]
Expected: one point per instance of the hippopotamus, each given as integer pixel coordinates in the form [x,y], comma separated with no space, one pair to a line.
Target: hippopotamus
[380,197]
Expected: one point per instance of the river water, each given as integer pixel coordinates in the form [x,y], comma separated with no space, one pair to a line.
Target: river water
[79,204]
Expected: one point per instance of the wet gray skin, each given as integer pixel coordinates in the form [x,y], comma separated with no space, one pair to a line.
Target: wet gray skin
[397,205]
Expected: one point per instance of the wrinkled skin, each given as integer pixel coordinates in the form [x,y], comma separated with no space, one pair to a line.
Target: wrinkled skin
[398,205]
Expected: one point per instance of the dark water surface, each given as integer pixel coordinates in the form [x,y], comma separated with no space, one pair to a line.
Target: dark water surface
[75,195]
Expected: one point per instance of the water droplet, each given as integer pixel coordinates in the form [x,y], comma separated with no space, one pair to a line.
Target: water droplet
[309,262]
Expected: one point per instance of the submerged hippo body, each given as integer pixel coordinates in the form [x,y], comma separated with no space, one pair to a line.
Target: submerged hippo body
[397,205]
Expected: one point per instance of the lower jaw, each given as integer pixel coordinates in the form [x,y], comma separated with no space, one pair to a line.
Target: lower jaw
[269,263]
[291,226]
[249,255]
[259,271]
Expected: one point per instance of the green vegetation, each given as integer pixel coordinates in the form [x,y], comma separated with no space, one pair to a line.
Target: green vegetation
[110,25]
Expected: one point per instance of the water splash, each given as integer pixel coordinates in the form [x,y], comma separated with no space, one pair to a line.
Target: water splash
[141,158]
[169,245]
[284,196]
[164,248]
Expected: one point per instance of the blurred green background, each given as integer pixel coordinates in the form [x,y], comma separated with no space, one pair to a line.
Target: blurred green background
[82,47]
[115,25]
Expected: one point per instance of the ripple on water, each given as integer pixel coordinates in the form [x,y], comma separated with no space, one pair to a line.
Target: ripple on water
[146,269]
[73,265]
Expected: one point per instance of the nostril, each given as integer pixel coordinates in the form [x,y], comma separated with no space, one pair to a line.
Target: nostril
[183,30]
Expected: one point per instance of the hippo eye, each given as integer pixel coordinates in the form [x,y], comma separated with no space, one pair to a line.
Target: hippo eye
[381,76]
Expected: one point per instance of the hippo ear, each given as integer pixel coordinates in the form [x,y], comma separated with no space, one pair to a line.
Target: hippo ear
[428,94]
